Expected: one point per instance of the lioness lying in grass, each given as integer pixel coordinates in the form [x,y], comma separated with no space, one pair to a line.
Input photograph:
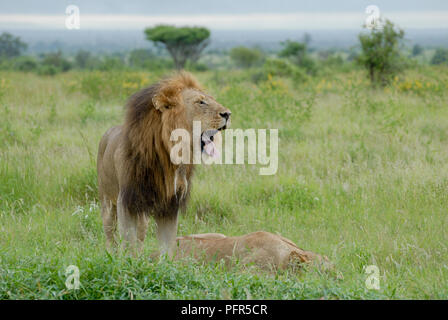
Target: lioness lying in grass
[263,249]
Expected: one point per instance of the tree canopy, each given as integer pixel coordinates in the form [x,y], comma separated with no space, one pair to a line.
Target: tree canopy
[183,43]
[10,46]
[380,53]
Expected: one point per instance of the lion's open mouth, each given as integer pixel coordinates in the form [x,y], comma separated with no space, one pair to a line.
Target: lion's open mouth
[207,144]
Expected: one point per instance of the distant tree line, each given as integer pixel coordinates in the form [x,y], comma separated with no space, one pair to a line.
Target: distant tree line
[11,46]
[380,52]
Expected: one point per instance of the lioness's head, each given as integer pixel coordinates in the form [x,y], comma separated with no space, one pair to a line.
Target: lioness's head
[182,101]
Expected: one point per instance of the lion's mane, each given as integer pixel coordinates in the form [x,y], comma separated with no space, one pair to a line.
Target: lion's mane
[151,115]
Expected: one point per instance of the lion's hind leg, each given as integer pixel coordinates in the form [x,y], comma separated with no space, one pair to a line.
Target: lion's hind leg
[127,227]
[109,215]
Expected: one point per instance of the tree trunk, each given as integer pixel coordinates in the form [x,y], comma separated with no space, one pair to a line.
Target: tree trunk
[372,74]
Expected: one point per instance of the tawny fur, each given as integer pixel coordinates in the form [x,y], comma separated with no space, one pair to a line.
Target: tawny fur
[263,249]
[146,141]
[136,177]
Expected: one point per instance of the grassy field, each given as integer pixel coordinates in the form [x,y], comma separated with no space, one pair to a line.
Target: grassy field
[362,178]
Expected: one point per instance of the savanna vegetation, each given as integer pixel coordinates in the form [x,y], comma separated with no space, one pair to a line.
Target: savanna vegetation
[362,177]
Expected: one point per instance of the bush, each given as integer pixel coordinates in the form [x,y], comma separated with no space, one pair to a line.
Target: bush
[245,57]
[140,58]
[112,63]
[83,59]
[440,56]
[330,58]
[25,64]
[297,53]
[53,63]
[281,68]
[47,70]
[417,50]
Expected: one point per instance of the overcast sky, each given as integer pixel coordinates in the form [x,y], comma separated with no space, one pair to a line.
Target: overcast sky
[224,15]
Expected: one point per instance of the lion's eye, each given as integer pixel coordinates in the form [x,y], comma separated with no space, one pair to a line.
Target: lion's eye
[202,102]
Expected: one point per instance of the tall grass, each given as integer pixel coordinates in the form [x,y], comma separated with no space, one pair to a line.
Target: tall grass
[362,178]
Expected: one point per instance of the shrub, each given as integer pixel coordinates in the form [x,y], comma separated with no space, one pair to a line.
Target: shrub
[417,50]
[112,63]
[297,53]
[53,63]
[47,70]
[440,56]
[82,59]
[245,57]
[380,53]
[25,64]
[283,68]
[140,58]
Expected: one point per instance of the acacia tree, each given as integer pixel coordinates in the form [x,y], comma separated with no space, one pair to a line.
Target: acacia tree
[183,43]
[381,53]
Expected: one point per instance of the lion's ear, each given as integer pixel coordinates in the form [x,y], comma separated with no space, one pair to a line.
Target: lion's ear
[157,102]
[161,102]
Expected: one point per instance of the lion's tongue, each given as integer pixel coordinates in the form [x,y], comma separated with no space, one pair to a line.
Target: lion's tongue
[210,149]
[209,145]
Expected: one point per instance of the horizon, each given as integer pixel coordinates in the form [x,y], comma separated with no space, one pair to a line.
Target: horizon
[251,21]
[231,15]
[116,25]
[109,41]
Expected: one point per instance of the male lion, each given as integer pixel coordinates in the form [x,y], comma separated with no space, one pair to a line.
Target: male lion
[136,176]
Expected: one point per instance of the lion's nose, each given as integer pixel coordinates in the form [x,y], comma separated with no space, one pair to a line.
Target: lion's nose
[225,115]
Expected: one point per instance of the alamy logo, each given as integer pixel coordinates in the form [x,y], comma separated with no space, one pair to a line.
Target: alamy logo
[72,273]
[206,149]
[72,21]
[373,278]
[373,20]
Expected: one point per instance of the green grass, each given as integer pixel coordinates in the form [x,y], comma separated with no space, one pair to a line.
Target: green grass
[362,178]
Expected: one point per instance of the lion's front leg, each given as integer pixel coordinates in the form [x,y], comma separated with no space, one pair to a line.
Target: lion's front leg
[142,229]
[127,227]
[166,234]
